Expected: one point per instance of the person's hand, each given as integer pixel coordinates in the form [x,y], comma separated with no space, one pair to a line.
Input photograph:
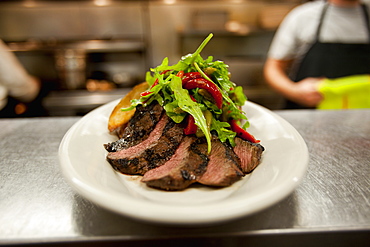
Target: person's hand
[305,92]
[33,89]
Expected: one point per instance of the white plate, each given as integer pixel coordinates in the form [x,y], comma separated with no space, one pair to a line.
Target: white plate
[82,159]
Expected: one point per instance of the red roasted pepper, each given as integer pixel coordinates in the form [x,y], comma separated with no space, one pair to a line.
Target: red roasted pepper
[207,85]
[154,84]
[240,132]
[145,93]
[191,127]
[190,75]
[180,74]
[156,81]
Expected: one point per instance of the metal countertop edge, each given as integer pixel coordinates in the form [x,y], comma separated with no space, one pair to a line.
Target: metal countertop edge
[276,233]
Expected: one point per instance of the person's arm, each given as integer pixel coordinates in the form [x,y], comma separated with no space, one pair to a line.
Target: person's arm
[303,92]
[14,77]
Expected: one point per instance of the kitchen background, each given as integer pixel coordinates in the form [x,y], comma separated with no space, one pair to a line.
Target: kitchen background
[87,53]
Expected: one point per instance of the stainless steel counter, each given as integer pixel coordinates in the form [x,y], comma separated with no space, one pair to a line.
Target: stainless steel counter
[330,208]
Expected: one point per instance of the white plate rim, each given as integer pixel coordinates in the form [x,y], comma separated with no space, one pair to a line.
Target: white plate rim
[180,215]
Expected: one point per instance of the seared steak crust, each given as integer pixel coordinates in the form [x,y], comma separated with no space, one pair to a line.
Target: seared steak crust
[154,146]
[139,127]
[150,153]
[223,166]
[191,164]
[249,153]
[186,165]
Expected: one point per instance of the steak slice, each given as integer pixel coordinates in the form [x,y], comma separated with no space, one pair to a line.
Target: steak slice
[186,165]
[249,153]
[223,166]
[139,127]
[150,153]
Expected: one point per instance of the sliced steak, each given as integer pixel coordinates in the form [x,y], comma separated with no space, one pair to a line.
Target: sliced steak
[139,127]
[223,166]
[150,153]
[249,153]
[186,165]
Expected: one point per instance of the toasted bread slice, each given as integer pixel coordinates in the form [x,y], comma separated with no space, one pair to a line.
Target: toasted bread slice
[118,119]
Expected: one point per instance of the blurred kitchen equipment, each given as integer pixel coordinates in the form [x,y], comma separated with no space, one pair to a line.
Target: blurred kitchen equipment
[67,43]
[210,20]
[71,67]
[270,17]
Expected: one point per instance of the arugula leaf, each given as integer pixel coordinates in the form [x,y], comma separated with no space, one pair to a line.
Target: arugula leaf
[166,89]
[174,111]
[191,58]
[223,133]
[221,76]
[238,96]
[191,107]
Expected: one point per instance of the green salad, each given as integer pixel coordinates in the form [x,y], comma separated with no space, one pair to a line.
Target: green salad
[199,93]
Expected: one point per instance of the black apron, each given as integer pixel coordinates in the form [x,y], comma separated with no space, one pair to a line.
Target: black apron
[333,60]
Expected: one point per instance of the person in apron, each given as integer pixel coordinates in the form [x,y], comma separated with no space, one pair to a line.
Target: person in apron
[325,60]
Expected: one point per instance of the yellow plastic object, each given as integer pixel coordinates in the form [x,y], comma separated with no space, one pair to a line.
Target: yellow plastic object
[351,92]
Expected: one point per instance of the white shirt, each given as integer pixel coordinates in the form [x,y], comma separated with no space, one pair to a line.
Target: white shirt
[14,79]
[297,32]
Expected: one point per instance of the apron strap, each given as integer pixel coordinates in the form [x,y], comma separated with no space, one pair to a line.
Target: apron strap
[366,15]
[321,21]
